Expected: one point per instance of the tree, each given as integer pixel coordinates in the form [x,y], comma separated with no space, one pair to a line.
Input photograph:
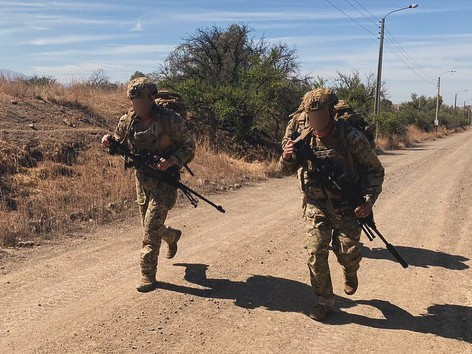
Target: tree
[359,95]
[136,75]
[98,78]
[41,80]
[235,82]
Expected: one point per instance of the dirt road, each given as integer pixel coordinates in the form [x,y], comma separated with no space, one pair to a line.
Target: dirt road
[239,282]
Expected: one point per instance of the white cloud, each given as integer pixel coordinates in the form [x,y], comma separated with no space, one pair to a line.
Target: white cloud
[124,50]
[138,27]
[56,5]
[71,39]
[238,16]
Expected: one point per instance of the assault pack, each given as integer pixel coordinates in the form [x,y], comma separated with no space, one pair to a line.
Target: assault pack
[345,112]
[171,100]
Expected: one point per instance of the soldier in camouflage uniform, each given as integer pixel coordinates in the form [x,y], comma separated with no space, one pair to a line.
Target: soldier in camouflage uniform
[150,127]
[329,218]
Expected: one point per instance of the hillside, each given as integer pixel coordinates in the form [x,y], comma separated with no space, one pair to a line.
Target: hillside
[55,177]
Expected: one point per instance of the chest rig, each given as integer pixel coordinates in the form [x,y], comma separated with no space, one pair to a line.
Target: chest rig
[333,148]
[155,138]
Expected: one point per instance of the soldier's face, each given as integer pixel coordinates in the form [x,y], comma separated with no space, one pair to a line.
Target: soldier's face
[142,106]
[319,120]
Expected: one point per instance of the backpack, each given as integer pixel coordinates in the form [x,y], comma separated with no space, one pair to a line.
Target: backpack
[172,101]
[343,111]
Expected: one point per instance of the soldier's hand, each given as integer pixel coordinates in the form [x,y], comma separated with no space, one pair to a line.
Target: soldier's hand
[164,164]
[288,150]
[105,141]
[363,211]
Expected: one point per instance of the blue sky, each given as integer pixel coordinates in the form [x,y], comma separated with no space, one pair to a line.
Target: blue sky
[70,39]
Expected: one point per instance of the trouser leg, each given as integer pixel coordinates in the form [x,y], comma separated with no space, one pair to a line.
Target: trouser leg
[346,244]
[318,232]
[153,229]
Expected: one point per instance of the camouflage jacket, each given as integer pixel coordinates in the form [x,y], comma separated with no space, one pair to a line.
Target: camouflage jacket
[347,147]
[167,137]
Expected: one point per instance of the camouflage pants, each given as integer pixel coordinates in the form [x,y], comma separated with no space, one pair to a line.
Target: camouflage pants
[154,204]
[322,227]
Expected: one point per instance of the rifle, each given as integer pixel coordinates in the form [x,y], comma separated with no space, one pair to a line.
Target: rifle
[336,181]
[146,161]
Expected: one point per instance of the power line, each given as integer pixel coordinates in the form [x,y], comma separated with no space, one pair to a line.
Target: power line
[412,69]
[406,55]
[355,8]
[351,18]
[394,47]
[357,2]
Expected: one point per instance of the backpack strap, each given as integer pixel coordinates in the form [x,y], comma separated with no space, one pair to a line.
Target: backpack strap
[342,127]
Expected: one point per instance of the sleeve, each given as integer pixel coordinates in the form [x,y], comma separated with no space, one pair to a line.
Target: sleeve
[288,167]
[366,156]
[183,140]
[121,128]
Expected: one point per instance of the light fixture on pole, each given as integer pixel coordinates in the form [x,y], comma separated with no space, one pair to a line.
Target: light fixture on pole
[379,67]
[436,120]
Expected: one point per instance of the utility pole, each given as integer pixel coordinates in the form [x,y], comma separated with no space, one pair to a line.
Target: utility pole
[379,69]
[436,120]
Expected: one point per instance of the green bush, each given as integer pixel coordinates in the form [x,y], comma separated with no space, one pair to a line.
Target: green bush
[390,124]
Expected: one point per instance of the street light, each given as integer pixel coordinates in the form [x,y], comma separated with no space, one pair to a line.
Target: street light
[436,120]
[379,67]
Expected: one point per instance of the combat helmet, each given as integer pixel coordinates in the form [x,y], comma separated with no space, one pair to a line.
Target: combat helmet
[319,98]
[342,105]
[141,87]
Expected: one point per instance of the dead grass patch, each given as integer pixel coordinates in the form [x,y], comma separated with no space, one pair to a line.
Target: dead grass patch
[413,136]
[55,198]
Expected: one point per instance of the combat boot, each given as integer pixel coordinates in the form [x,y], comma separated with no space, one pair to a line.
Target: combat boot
[350,283]
[147,283]
[318,312]
[172,239]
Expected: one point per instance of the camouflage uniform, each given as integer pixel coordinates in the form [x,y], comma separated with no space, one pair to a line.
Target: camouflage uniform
[167,137]
[344,111]
[329,218]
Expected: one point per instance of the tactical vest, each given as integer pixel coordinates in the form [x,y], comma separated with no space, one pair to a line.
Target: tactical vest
[156,139]
[335,148]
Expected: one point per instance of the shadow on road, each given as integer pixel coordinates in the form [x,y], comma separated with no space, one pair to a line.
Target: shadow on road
[444,320]
[278,294]
[273,293]
[419,257]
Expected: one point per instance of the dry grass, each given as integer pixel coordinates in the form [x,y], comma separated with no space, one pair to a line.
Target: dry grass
[219,171]
[53,198]
[413,136]
[53,188]
[56,198]
[110,103]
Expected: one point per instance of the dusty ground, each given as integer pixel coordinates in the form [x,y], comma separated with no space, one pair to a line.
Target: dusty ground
[239,282]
